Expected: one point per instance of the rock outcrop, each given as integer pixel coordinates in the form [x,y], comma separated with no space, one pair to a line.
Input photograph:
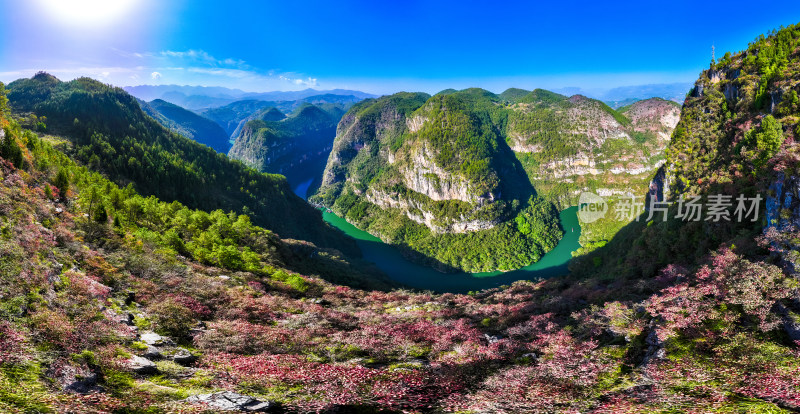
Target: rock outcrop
[231,401]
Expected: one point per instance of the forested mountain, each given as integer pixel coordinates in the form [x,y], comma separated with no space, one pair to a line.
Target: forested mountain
[469,179]
[111,133]
[188,124]
[295,146]
[230,116]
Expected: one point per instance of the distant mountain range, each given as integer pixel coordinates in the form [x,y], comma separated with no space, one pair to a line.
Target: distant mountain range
[232,116]
[204,97]
[626,95]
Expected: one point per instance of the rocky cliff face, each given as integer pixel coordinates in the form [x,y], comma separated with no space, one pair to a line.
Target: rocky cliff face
[367,127]
[435,175]
[417,172]
[468,162]
[654,116]
[584,144]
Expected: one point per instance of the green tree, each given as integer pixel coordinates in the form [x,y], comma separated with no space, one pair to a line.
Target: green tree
[764,141]
[10,150]
[62,182]
[100,214]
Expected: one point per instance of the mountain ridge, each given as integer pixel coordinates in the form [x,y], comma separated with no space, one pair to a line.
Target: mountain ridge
[188,124]
[204,97]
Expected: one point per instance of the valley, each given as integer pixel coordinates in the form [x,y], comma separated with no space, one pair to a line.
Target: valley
[547,148]
[194,247]
[458,180]
[543,150]
[403,270]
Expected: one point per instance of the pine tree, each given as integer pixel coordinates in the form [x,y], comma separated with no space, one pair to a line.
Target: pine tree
[100,214]
[62,182]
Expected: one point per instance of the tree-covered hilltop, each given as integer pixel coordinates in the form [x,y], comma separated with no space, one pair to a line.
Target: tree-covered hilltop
[188,124]
[459,178]
[295,146]
[110,133]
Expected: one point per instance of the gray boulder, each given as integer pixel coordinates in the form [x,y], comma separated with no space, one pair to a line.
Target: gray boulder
[152,353]
[142,366]
[183,357]
[152,338]
[231,401]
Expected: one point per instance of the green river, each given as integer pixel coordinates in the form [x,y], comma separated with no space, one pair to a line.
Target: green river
[398,268]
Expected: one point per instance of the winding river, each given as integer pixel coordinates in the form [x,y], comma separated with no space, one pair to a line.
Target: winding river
[398,268]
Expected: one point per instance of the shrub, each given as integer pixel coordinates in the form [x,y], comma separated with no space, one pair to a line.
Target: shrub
[172,318]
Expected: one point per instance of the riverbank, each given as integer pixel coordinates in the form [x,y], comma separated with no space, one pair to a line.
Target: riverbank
[391,261]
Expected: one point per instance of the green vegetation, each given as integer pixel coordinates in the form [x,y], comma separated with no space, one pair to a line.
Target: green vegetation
[661,316]
[271,142]
[723,136]
[764,141]
[460,132]
[769,58]
[111,134]
[296,146]
[188,124]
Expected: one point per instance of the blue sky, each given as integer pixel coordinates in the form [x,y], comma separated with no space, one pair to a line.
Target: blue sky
[377,46]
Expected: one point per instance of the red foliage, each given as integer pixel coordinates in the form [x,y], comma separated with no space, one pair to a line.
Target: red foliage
[731,280]
[11,344]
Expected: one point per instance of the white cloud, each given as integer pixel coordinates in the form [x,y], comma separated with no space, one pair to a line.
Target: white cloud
[155,75]
[204,57]
[309,82]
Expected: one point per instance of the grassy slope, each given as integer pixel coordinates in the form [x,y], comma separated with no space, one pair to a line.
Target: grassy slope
[69,282]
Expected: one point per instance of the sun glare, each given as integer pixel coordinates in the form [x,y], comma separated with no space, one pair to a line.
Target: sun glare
[87,12]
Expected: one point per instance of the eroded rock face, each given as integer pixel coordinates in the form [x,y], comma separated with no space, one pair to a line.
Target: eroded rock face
[425,177]
[468,161]
[418,213]
[354,134]
[231,401]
